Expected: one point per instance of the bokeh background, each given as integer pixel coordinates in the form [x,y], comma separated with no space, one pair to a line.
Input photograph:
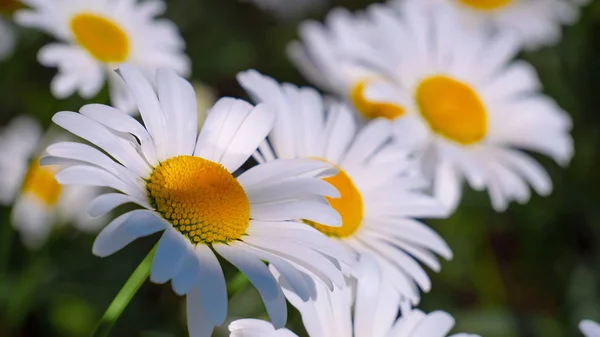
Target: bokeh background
[533,270]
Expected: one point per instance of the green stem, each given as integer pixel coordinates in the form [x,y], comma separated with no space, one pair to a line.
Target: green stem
[124,296]
[237,284]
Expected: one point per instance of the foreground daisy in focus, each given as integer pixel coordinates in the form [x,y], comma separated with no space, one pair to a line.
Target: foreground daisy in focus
[38,201]
[589,328]
[453,93]
[96,36]
[535,23]
[367,309]
[380,194]
[184,183]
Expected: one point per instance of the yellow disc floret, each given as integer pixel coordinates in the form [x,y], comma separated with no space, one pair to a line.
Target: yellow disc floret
[349,205]
[485,5]
[370,109]
[200,198]
[102,38]
[40,183]
[452,109]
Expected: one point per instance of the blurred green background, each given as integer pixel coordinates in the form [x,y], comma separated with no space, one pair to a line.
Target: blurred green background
[533,270]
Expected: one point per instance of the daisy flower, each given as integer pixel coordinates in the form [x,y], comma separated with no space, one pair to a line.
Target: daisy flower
[536,23]
[380,193]
[589,328]
[368,309]
[39,202]
[7,33]
[96,36]
[455,94]
[185,186]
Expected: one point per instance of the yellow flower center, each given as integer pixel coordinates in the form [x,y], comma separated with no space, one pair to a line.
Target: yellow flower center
[8,7]
[452,109]
[39,181]
[485,5]
[370,109]
[349,205]
[101,37]
[200,198]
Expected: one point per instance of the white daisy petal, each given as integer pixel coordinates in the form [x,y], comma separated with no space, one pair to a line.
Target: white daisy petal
[371,138]
[169,256]
[100,136]
[301,284]
[317,211]
[282,169]
[339,131]
[261,278]
[197,318]
[125,229]
[149,107]
[589,328]
[117,120]
[93,176]
[178,102]
[303,256]
[250,134]
[213,290]
[105,203]
[189,272]
[296,188]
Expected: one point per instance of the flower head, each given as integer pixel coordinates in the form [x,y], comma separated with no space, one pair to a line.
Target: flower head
[453,93]
[534,23]
[380,190]
[185,184]
[39,202]
[367,309]
[95,36]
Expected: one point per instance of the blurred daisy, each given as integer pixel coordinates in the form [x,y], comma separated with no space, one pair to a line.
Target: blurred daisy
[368,309]
[184,183]
[536,23]
[589,328]
[96,36]
[7,33]
[288,9]
[455,94]
[380,194]
[39,202]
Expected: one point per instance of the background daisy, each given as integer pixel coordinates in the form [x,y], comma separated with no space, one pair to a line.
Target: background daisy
[535,23]
[183,181]
[459,96]
[380,192]
[367,309]
[589,328]
[95,36]
[39,202]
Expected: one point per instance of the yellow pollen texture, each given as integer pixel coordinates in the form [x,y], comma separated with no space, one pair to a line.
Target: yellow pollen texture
[39,181]
[371,110]
[485,5]
[349,205]
[200,198]
[102,38]
[452,109]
